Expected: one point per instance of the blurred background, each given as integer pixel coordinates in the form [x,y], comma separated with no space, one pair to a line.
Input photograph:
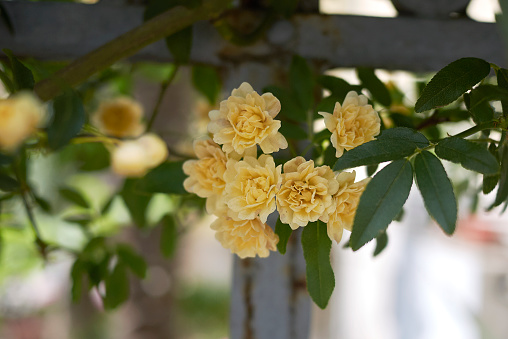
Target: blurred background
[425,285]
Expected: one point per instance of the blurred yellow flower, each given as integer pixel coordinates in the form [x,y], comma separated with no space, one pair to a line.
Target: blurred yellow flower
[20,115]
[246,119]
[251,185]
[119,117]
[352,124]
[206,175]
[306,192]
[346,202]
[134,158]
[246,238]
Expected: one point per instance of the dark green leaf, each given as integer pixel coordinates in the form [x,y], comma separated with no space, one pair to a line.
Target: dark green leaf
[292,131]
[302,82]
[489,183]
[321,136]
[23,78]
[117,287]
[8,84]
[479,101]
[169,236]
[437,190]
[371,169]
[166,178]
[381,242]
[502,82]
[375,86]
[107,205]
[8,184]
[131,259]
[77,275]
[135,201]
[451,82]
[83,220]
[381,201]
[284,232]
[316,251]
[470,155]
[88,156]
[394,143]
[207,81]
[43,204]
[289,107]
[74,197]
[337,86]
[502,191]
[68,119]
[329,158]
[327,104]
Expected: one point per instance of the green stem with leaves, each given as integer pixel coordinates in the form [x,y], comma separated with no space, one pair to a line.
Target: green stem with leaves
[126,45]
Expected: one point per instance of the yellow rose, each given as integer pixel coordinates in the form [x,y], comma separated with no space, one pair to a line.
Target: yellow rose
[352,124]
[20,116]
[246,238]
[306,192]
[246,119]
[346,202]
[120,117]
[133,158]
[206,175]
[251,185]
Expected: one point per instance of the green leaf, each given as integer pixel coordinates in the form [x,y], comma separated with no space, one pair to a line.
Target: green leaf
[23,78]
[207,81]
[470,155]
[8,184]
[479,101]
[502,82]
[371,169]
[502,191]
[169,236]
[437,190]
[381,201]
[77,274]
[394,143]
[284,231]
[88,156]
[375,86]
[451,82]
[8,84]
[43,204]
[381,242]
[68,119]
[316,251]
[117,287]
[74,197]
[105,209]
[166,178]
[292,131]
[489,183]
[131,259]
[327,104]
[302,82]
[337,86]
[329,157]
[135,201]
[83,220]
[289,107]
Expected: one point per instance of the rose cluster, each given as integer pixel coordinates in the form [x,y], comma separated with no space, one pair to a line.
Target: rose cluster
[242,189]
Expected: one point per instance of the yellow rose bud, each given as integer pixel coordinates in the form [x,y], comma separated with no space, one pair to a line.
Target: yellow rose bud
[20,116]
[246,119]
[120,117]
[251,186]
[129,159]
[352,124]
[306,192]
[246,238]
[346,202]
[155,148]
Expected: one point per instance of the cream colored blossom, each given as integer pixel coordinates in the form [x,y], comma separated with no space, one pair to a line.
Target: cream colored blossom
[251,185]
[134,158]
[155,148]
[206,175]
[352,124]
[306,192]
[20,116]
[119,117]
[246,238]
[246,119]
[346,202]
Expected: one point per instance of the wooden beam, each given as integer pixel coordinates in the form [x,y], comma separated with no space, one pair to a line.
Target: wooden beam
[47,30]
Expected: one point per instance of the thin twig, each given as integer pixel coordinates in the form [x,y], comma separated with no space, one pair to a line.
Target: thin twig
[162,91]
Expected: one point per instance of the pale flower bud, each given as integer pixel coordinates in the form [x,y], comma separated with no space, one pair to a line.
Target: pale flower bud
[20,116]
[119,117]
[155,148]
[129,159]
